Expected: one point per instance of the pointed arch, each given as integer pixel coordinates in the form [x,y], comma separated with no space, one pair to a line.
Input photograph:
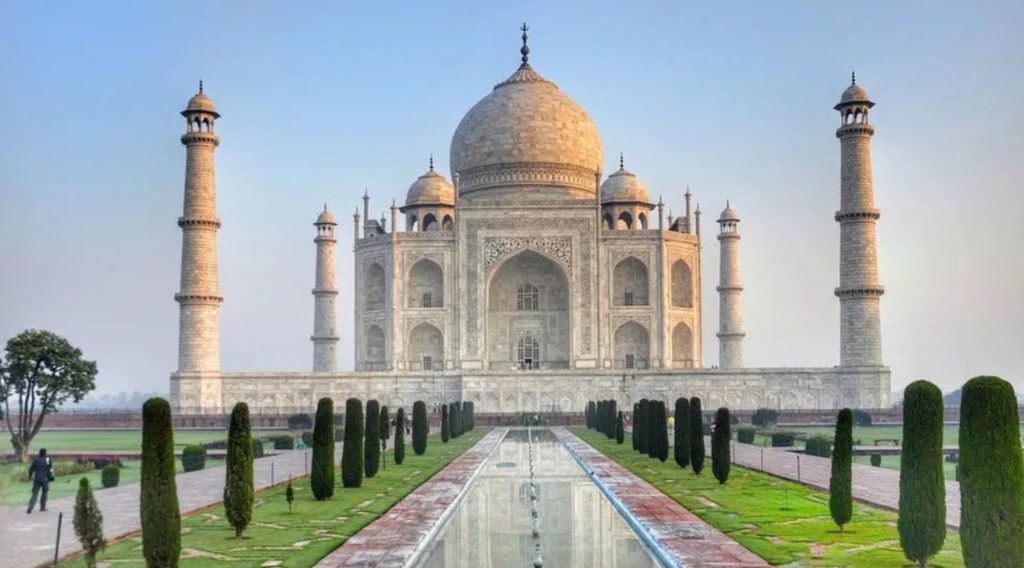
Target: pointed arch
[426,348]
[430,222]
[374,286]
[447,224]
[682,285]
[425,288]
[625,221]
[374,348]
[682,346]
[630,283]
[642,220]
[609,222]
[632,345]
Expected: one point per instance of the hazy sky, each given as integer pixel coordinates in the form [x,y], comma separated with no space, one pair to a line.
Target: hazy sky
[320,101]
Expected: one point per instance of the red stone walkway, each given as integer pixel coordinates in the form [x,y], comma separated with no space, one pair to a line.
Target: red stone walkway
[394,539]
[875,486]
[689,539]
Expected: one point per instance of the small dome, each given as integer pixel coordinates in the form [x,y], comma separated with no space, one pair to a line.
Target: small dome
[623,186]
[201,103]
[728,214]
[325,218]
[430,188]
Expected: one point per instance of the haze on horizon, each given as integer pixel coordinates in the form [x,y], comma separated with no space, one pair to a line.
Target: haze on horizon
[319,103]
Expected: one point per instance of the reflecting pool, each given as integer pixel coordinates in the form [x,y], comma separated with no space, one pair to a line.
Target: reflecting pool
[493,525]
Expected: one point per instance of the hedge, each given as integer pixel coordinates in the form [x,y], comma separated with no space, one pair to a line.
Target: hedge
[745,434]
[283,442]
[783,439]
[321,477]
[193,458]
[876,461]
[110,475]
[158,493]
[352,450]
[820,446]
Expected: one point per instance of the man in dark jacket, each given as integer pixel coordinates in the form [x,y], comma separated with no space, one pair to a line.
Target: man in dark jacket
[39,473]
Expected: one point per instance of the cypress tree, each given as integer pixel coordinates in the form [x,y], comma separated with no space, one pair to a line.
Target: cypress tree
[238,476]
[641,426]
[597,415]
[371,445]
[633,436]
[651,429]
[385,433]
[352,450]
[662,424]
[321,477]
[158,494]
[289,495]
[840,485]
[681,448]
[720,439]
[420,427]
[445,424]
[620,432]
[922,520]
[88,522]
[992,480]
[400,436]
[613,413]
[601,416]
[588,415]
[453,419]
[696,436]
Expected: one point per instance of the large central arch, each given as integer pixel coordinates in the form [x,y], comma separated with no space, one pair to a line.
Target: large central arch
[528,299]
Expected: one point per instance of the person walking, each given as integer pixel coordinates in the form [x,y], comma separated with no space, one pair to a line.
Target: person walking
[40,473]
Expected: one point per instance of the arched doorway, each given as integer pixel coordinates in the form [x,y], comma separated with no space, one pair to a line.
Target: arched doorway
[426,348]
[528,306]
[632,346]
[630,283]
[374,348]
[682,346]
[426,285]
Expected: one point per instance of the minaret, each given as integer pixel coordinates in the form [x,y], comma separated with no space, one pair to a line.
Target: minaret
[730,293]
[859,291]
[199,298]
[325,320]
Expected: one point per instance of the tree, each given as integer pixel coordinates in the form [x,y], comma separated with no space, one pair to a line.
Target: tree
[840,485]
[589,414]
[289,494]
[352,450]
[633,435]
[158,493]
[110,475]
[238,475]
[681,447]
[88,523]
[321,477]
[399,436]
[922,520]
[385,433]
[992,480]
[613,412]
[420,428]
[454,414]
[620,432]
[721,436]
[765,417]
[41,371]
[371,450]
[445,425]
[661,430]
[640,427]
[696,436]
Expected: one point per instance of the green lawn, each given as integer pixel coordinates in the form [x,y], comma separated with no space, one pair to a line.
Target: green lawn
[783,522]
[311,531]
[114,440]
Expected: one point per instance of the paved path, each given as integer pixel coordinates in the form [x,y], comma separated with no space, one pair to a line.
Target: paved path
[872,485]
[396,538]
[691,541]
[32,537]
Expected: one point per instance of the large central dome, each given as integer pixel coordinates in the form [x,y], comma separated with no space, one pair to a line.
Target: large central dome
[529,135]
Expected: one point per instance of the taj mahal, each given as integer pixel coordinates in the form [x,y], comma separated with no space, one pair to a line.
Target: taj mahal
[530,281]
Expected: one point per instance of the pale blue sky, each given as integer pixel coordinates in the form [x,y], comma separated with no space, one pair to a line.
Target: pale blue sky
[321,100]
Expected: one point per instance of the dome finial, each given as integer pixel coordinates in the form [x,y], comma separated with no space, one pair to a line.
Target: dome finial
[525,50]
[325,207]
[622,162]
[853,77]
[200,85]
[431,161]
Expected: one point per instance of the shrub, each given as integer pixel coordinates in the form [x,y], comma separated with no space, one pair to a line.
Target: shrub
[745,434]
[840,485]
[352,450]
[611,418]
[98,463]
[238,479]
[307,438]
[681,437]
[321,476]
[445,426]
[661,430]
[300,422]
[385,430]
[765,417]
[783,439]
[88,522]
[696,440]
[110,476]
[257,448]
[620,432]
[289,495]
[420,428]
[633,436]
[589,414]
[876,461]
[400,436]
[640,426]
[861,418]
[193,458]
[158,494]
[283,442]
[820,446]
[992,479]
[720,438]
[455,419]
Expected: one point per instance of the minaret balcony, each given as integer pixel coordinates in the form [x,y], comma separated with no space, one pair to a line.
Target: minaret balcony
[858,215]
